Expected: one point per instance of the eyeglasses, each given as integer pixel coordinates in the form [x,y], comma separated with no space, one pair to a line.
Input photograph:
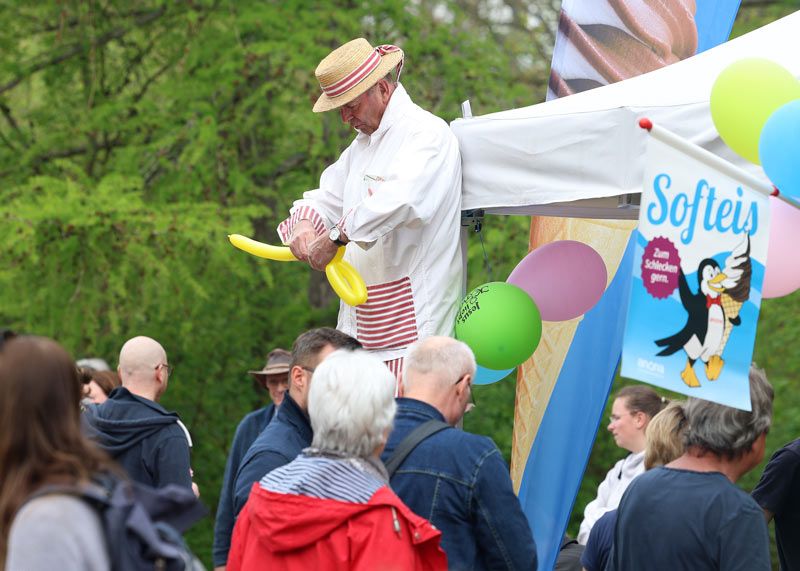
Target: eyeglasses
[471,402]
[309,369]
[169,368]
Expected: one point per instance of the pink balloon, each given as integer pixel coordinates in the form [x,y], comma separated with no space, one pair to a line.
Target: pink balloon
[565,279]
[782,274]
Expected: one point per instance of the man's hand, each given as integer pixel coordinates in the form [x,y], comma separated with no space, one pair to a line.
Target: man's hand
[321,252]
[303,234]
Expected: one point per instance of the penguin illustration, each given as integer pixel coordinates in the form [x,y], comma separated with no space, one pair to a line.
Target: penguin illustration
[712,312]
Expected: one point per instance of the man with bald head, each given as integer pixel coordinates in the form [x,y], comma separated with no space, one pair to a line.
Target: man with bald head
[457,480]
[150,443]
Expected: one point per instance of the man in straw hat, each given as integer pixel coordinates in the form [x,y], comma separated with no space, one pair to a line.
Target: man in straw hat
[274,378]
[393,199]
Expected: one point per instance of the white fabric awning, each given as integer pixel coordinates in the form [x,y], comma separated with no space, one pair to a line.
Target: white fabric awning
[578,156]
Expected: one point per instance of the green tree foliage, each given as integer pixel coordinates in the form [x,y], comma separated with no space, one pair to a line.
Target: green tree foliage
[136,134]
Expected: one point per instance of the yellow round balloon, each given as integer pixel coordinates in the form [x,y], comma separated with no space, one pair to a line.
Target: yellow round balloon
[743,97]
[344,279]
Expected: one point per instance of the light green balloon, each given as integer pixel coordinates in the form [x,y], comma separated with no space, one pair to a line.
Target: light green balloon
[743,97]
[500,323]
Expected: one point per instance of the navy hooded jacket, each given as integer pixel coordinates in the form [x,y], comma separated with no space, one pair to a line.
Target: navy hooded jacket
[143,437]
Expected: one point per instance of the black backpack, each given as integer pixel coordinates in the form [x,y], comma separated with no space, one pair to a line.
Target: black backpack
[142,525]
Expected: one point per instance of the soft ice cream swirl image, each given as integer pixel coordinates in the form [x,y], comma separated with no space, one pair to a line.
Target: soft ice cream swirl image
[604,41]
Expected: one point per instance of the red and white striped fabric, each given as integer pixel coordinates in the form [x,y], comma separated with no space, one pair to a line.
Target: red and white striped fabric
[303,213]
[396,367]
[358,75]
[354,77]
[387,319]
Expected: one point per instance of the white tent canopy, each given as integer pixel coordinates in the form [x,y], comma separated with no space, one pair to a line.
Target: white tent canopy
[583,155]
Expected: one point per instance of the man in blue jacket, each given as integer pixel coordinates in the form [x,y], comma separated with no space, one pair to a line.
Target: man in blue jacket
[290,431]
[149,442]
[457,480]
[274,378]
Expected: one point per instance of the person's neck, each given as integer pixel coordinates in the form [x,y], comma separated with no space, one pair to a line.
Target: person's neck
[298,400]
[703,461]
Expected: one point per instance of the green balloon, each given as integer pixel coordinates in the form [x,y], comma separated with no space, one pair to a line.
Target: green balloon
[743,97]
[500,323]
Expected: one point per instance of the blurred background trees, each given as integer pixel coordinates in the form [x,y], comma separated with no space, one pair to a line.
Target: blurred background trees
[134,136]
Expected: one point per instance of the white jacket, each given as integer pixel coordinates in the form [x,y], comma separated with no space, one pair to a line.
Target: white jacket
[610,491]
[396,194]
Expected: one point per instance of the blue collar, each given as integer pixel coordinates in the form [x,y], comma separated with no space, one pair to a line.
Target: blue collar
[291,413]
[418,408]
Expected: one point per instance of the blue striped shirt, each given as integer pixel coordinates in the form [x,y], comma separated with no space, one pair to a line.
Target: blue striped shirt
[342,479]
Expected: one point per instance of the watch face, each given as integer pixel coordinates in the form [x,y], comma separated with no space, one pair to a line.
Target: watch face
[334,234]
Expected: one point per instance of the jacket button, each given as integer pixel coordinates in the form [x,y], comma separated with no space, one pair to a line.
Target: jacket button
[416,535]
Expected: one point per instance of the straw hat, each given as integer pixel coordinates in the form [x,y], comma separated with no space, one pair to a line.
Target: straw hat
[348,71]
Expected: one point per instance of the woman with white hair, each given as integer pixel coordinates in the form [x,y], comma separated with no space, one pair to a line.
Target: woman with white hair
[331,507]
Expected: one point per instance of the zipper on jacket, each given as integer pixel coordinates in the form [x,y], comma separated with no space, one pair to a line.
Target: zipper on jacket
[396,521]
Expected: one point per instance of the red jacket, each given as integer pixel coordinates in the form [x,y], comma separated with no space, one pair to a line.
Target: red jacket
[286,531]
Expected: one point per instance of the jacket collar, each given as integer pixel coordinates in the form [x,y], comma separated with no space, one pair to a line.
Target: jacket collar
[418,408]
[122,394]
[291,413]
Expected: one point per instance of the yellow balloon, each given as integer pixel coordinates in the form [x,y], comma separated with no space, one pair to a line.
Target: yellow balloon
[277,253]
[346,282]
[344,279]
[743,97]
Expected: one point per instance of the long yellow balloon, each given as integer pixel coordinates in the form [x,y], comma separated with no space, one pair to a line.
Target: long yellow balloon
[344,279]
[277,253]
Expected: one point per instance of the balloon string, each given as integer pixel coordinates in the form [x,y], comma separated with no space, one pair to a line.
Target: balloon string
[478,230]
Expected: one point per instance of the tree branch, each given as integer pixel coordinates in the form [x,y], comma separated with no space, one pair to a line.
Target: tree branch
[76,49]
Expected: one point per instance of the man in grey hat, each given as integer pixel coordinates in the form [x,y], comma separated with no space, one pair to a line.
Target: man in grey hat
[274,378]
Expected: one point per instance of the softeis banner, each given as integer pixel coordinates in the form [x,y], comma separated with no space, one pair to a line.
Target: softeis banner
[698,267]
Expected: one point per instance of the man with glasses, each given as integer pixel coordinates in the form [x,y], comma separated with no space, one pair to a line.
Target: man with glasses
[149,442]
[290,431]
[457,480]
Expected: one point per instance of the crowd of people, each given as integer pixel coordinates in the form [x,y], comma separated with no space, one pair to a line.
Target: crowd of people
[351,476]
[359,461]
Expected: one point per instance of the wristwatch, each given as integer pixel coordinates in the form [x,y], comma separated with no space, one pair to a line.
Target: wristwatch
[335,236]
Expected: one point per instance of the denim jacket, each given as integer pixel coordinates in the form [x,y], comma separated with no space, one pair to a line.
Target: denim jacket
[281,442]
[460,483]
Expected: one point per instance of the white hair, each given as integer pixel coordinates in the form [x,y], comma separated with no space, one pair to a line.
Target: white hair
[444,358]
[351,403]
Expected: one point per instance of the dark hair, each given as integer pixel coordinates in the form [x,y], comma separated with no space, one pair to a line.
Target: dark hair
[308,345]
[106,380]
[6,335]
[40,429]
[639,398]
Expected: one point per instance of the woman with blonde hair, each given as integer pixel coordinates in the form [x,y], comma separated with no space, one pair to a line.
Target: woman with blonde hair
[663,444]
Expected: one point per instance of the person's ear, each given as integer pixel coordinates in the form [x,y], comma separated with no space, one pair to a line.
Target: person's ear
[640,418]
[461,385]
[297,377]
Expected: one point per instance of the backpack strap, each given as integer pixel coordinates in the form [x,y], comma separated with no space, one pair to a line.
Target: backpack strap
[411,441]
[92,493]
